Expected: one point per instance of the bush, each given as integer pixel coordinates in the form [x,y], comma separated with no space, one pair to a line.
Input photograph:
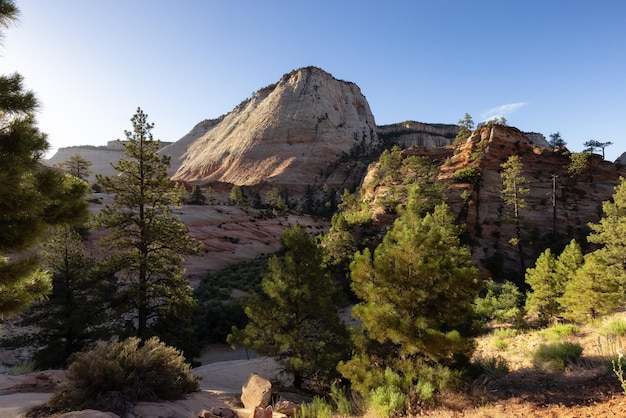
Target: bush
[558,331]
[558,355]
[112,377]
[498,302]
[339,395]
[385,400]
[616,327]
[318,408]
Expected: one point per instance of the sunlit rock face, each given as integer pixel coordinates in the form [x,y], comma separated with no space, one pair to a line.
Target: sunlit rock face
[286,134]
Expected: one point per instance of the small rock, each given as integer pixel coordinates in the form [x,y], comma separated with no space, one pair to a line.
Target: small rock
[286,407]
[262,412]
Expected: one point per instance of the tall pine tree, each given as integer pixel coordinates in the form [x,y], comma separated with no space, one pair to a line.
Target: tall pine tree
[147,243]
[34,197]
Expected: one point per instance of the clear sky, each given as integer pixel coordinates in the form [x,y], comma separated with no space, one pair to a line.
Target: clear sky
[545,65]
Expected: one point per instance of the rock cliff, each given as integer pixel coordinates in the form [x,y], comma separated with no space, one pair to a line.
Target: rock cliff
[558,208]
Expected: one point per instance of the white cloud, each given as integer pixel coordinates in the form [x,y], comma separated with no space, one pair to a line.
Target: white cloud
[502,110]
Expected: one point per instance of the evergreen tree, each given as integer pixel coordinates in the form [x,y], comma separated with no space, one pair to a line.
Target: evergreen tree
[578,163]
[146,241]
[549,278]
[197,197]
[512,193]
[417,290]
[77,166]
[34,197]
[610,234]
[556,141]
[466,126]
[75,312]
[296,317]
[236,196]
[592,292]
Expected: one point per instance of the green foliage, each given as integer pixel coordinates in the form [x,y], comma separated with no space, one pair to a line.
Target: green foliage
[513,183]
[296,317]
[78,166]
[146,242]
[342,403]
[390,163]
[317,408]
[557,355]
[471,175]
[236,196]
[466,126]
[549,278]
[111,377]
[75,312]
[197,197]
[592,292]
[556,141]
[385,400]
[502,337]
[34,197]
[616,327]
[498,302]
[276,202]
[559,331]
[411,318]
[610,234]
[579,161]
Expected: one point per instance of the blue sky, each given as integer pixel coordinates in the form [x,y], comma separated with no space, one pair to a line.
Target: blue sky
[547,66]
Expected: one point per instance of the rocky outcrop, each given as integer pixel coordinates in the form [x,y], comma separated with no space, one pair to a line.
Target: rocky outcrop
[410,133]
[558,208]
[286,134]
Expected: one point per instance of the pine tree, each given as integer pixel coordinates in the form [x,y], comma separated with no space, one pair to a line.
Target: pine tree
[549,278]
[610,233]
[77,166]
[592,292]
[34,197]
[417,290]
[296,317]
[512,193]
[75,312]
[146,241]
[466,126]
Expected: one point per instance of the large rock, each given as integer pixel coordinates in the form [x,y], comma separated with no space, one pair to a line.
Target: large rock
[257,392]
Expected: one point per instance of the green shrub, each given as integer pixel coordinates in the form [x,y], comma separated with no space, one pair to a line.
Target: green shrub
[616,327]
[557,355]
[498,302]
[384,400]
[111,377]
[502,337]
[318,408]
[471,175]
[339,395]
[558,331]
